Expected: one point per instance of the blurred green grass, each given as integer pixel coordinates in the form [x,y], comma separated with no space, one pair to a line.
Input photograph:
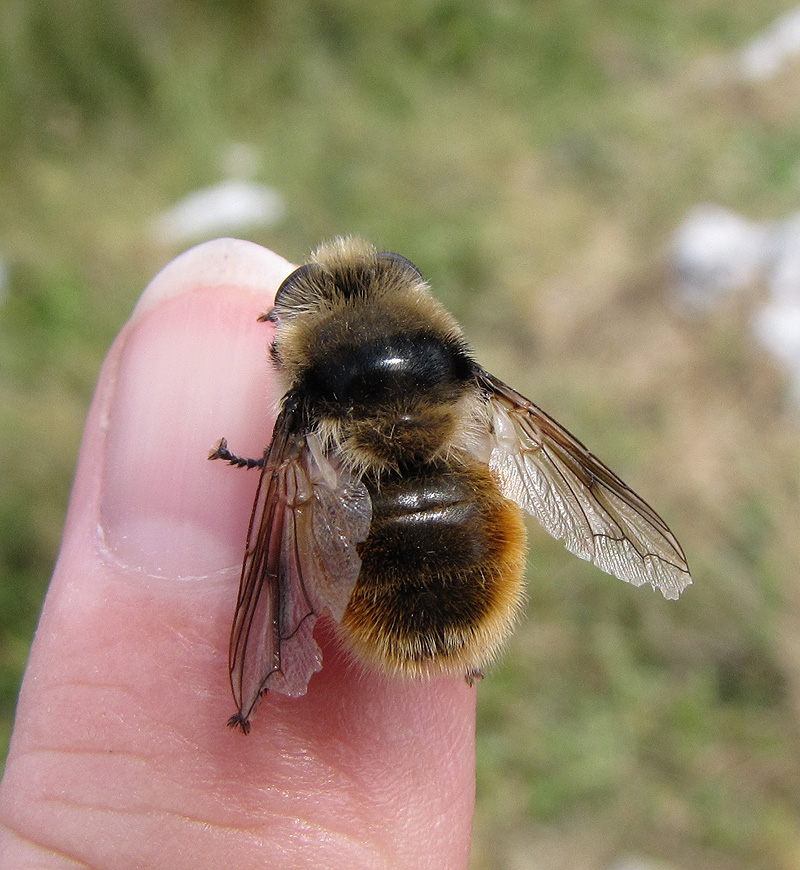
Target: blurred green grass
[532,159]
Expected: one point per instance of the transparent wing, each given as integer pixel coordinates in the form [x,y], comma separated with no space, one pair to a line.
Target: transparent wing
[576,498]
[300,559]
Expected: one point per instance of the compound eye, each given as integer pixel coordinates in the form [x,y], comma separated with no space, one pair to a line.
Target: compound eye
[304,273]
[403,262]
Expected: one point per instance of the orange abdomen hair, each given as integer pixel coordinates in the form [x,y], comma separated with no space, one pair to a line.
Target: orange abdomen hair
[441,578]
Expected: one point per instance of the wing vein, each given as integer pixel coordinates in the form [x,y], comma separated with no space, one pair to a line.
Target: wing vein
[577,498]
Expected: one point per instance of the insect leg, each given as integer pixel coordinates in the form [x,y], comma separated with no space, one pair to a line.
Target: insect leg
[472,675]
[221,452]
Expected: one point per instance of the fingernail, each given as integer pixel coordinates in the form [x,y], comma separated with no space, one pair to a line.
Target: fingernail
[221,263]
[194,368]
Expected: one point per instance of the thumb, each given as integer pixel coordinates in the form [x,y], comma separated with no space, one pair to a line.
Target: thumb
[120,756]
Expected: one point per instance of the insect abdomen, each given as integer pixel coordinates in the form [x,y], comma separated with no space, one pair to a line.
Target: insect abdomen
[441,574]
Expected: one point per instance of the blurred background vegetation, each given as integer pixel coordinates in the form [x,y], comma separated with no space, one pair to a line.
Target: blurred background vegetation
[533,159]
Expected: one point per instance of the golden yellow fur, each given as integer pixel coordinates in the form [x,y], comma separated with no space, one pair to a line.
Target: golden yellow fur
[441,578]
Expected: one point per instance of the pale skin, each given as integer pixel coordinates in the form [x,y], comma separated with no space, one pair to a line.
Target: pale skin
[120,758]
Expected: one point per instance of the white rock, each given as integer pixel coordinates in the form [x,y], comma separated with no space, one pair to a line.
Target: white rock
[784,271]
[230,207]
[764,57]
[777,327]
[715,252]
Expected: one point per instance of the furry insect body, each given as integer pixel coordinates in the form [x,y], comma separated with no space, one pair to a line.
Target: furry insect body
[390,493]
[382,369]
[386,377]
[441,577]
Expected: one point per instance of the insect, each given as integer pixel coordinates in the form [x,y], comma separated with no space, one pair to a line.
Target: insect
[390,493]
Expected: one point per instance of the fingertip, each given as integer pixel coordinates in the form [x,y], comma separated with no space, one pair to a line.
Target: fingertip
[219,263]
[147,507]
[190,367]
[388,763]
[194,368]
